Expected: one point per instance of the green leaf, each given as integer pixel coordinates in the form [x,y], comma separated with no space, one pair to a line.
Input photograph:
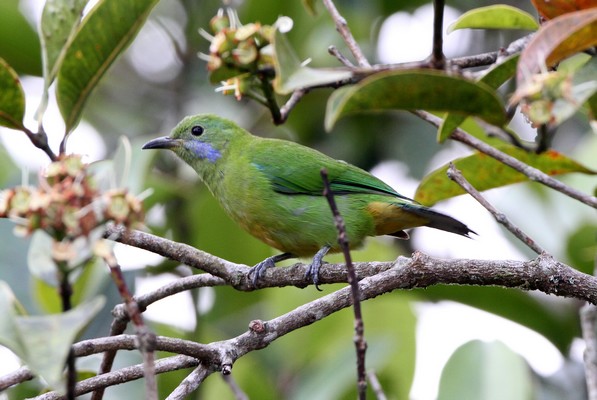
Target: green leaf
[291,75]
[19,44]
[412,90]
[47,339]
[581,248]
[9,309]
[58,20]
[499,16]
[12,98]
[494,78]
[488,371]
[484,172]
[105,32]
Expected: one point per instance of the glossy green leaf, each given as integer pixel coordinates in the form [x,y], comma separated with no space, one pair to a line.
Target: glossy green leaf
[488,371]
[498,16]
[292,75]
[557,39]
[12,98]
[105,32]
[19,44]
[484,172]
[494,78]
[47,339]
[58,20]
[413,90]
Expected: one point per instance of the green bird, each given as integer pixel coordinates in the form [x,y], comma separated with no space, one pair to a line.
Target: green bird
[273,189]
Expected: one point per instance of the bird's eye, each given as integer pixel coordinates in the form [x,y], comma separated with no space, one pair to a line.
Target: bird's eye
[197,130]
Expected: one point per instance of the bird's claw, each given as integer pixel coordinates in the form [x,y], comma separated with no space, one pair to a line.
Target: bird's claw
[258,271]
[313,270]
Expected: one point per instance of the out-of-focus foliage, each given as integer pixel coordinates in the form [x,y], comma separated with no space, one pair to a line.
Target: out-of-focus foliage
[160,79]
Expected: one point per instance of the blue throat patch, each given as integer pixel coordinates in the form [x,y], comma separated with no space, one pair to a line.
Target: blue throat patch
[203,150]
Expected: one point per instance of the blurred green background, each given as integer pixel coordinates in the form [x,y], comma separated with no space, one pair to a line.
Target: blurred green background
[160,79]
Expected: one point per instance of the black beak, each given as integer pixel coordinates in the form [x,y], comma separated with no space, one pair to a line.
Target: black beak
[161,143]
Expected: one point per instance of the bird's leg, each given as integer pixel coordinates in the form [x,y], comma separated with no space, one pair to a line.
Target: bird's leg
[313,270]
[259,270]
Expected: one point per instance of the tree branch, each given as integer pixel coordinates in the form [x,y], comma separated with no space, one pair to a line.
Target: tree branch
[344,31]
[543,273]
[456,176]
[359,326]
[532,173]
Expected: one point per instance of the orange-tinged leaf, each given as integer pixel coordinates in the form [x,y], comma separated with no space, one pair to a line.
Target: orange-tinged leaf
[554,8]
[485,172]
[556,40]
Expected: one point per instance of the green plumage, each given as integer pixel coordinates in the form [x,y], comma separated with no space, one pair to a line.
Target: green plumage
[273,189]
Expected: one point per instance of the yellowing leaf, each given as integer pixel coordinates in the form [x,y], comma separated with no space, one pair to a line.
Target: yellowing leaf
[557,39]
[499,16]
[485,172]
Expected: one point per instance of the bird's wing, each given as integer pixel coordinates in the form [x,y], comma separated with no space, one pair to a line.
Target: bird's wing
[293,169]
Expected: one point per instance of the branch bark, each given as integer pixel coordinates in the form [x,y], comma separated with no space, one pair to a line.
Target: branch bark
[543,273]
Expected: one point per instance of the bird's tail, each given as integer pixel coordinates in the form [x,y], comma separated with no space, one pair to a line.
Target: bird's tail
[439,221]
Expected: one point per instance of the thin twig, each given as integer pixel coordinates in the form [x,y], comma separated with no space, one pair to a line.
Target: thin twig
[189,384]
[66,294]
[117,327]
[270,98]
[588,325]
[455,175]
[285,110]
[145,336]
[359,327]
[344,31]
[532,173]
[376,386]
[236,390]
[438,60]
[333,50]
[588,320]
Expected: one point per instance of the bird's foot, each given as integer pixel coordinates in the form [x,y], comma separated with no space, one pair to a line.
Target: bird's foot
[313,270]
[258,271]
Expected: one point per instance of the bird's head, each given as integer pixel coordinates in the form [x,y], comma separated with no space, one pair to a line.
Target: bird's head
[199,138]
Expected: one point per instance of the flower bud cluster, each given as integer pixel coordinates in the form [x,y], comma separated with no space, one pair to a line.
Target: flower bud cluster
[68,204]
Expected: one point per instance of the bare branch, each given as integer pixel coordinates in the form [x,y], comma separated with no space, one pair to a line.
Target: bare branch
[344,31]
[359,326]
[588,323]
[376,386]
[456,176]
[543,273]
[189,384]
[146,338]
[532,173]
[333,50]
[438,60]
